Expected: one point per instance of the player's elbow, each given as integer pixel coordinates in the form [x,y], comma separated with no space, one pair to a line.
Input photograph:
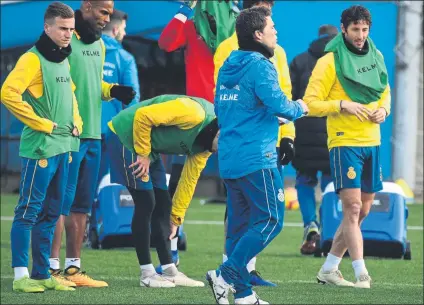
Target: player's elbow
[165,45]
[5,93]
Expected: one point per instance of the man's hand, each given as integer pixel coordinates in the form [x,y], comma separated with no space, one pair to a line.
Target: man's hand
[286,152]
[75,132]
[173,230]
[358,110]
[123,93]
[304,106]
[378,116]
[142,166]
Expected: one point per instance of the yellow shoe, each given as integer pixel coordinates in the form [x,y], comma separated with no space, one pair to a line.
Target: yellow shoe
[52,284]
[61,279]
[81,279]
[26,284]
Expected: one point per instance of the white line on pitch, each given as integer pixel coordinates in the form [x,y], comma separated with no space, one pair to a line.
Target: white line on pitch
[220,223]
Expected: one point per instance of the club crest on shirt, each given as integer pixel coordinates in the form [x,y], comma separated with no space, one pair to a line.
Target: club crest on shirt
[351,174]
[280,195]
[43,163]
[145,178]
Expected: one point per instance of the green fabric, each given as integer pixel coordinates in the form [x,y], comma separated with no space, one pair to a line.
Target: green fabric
[87,73]
[225,18]
[164,139]
[363,77]
[56,104]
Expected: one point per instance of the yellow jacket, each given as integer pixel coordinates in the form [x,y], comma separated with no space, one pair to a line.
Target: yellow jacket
[182,113]
[27,75]
[323,96]
[279,60]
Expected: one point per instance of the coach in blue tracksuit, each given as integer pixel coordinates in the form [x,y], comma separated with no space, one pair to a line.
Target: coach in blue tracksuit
[247,103]
[119,68]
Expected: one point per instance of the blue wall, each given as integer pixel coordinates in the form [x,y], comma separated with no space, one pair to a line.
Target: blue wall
[297,24]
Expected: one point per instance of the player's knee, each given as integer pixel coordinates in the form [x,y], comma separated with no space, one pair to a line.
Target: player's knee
[352,210]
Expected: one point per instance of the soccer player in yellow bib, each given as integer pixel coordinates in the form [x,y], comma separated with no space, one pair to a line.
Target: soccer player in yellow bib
[285,147]
[349,85]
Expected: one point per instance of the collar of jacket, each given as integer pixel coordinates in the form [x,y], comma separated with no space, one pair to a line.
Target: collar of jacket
[51,51]
[253,45]
[111,43]
[87,32]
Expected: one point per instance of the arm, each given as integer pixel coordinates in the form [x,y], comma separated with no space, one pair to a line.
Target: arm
[105,86]
[173,36]
[77,118]
[269,92]
[183,113]
[22,76]
[284,75]
[185,189]
[385,100]
[320,83]
[224,50]
[130,78]
[287,131]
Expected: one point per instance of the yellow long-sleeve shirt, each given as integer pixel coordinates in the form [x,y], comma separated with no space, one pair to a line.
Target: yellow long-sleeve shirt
[323,96]
[183,113]
[27,74]
[280,62]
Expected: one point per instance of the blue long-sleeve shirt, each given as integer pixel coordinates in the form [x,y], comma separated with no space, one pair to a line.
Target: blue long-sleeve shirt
[119,68]
[247,103]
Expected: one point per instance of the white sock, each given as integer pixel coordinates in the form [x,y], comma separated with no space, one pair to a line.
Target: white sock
[331,263]
[174,244]
[20,272]
[164,267]
[224,258]
[147,269]
[54,263]
[251,265]
[359,267]
[72,262]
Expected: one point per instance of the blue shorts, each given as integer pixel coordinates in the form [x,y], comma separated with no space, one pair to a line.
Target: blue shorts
[82,178]
[120,160]
[356,167]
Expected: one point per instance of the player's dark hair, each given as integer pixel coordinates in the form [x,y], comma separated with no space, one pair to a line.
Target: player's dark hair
[250,3]
[116,18]
[58,9]
[355,14]
[248,22]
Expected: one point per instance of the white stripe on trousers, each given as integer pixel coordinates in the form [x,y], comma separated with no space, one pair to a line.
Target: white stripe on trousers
[30,188]
[267,202]
[276,207]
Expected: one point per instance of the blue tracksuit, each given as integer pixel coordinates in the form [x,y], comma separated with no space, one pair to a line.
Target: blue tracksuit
[41,194]
[247,103]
